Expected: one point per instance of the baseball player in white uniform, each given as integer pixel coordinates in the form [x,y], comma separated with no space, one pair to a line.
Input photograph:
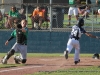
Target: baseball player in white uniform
[73,41]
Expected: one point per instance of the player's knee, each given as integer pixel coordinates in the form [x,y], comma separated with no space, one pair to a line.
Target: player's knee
[11,52]
[24,61]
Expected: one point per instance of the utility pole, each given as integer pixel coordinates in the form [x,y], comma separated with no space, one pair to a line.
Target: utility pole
[37,1]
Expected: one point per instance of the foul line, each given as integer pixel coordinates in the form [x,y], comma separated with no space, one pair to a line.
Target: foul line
[18,69]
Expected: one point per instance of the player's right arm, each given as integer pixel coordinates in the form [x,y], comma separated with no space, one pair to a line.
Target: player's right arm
[6,43]
[13,34]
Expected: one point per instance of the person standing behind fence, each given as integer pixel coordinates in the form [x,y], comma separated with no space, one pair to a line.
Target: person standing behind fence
[20,33]
[72,10]
[98,3]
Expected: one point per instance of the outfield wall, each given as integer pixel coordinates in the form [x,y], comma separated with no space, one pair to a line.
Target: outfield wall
[51,42]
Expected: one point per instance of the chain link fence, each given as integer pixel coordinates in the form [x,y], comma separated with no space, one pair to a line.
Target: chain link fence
[58,19]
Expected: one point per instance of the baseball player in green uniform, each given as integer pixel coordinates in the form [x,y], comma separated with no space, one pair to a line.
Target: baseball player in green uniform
[21,33]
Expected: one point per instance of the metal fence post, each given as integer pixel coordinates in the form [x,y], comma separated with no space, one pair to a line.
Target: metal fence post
[92,20]
[50,15]
[26,12]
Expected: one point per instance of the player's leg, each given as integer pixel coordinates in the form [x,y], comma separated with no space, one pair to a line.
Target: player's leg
[6,57]
[70,12]
[9,54]
[77,52]
[76,13]
[18,59]
[69,48]
[23,55]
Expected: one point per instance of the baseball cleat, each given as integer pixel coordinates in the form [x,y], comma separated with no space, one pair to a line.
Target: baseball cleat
[16,60]
[4,61]
[96,56]
[76,62]
[66,54]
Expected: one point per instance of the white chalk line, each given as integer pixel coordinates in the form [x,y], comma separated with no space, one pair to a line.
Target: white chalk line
[48,59]
[29,67]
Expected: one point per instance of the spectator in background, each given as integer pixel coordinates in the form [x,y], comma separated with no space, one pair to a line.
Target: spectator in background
[84,9]
[13,17]
[1,16]
[37,17]
[22,14]
[72,10]
[98,3]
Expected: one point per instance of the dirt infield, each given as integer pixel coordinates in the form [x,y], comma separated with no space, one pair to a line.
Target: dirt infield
[47,64]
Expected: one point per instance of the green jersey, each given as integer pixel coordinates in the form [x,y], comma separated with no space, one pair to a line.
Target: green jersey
[14,34]
[73,3]
[14,14]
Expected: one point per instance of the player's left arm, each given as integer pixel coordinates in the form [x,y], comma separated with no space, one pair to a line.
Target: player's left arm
[93,36]
[24,29]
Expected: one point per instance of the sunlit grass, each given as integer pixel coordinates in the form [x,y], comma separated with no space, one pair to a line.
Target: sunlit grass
[73,71]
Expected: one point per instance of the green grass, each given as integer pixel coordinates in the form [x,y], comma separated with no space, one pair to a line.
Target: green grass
[10,65]
[73,71]
[37,54]
[48,55]
[55,55]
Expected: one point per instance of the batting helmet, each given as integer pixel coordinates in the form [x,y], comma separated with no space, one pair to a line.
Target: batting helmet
[80,22]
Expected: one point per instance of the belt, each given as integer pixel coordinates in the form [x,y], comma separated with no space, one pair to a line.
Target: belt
[24,44]
[75,38]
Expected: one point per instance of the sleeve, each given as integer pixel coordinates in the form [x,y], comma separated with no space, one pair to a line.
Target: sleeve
[83,30]
[13,34]
[10,38]
[26,33]
[43,13]
[9,13]
[18,14]
[34,12]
